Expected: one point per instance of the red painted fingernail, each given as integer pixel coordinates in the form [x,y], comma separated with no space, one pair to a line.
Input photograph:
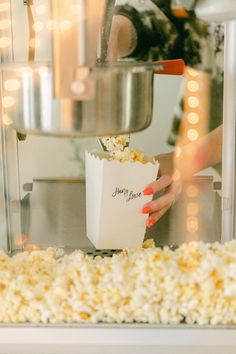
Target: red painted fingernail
[146,210]
[148,191]
[150,223]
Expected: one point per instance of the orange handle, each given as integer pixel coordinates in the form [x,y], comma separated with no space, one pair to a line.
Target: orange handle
[170,67]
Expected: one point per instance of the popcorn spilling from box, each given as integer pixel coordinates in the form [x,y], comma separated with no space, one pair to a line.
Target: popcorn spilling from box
[195,284]
[114,194]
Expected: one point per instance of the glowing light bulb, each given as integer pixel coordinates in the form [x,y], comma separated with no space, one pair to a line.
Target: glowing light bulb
[192,191]
[43,70]
[25,71]
[40,9]
[65,25]
[193,102]
[34,43]
[192,209]
[193,86]
[38,26]
[178,151]
[4,6]
[176,175]
[76,9]
[5,42]
[192,224]
[6,119]
[4,24]
[51,25]
[193,118]
[12,85]
[8,101]
[192,72]
[192,134]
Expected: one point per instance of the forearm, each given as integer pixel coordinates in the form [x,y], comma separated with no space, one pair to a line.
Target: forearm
[205,152]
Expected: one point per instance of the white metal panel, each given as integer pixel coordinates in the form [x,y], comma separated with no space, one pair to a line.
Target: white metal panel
[120,339]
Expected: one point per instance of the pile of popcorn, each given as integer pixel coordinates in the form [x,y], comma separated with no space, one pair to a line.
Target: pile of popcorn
[195,284]
[118,148]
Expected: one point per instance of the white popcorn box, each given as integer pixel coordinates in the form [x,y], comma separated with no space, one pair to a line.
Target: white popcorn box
[114,199]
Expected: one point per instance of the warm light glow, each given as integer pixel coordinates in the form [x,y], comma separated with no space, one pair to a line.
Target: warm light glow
[4,6]
[34,43]
[193,86]
[193,72]
[5,42]
[4,24]
[65,25]
[51,25]
[193,118]
[7,120]
[76,9]
[11,85]
[38,26]
[8,101]
[192,134]
[176,175]
[40,9]
[193,102]
[192,209]
[178,151]
[192,224]
[192,191]
[43,70]
[26,71]
[78,87]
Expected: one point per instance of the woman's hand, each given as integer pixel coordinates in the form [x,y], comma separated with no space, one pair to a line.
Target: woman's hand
[192,158]
[123,38]
[169,183]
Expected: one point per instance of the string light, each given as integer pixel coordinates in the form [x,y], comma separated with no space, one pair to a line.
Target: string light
[6,119]
[193,117]
[193,72]
[178,151]
[34,43]
[192,134]
[51,25]
[8,101]
[192,209]
[4,6]
[40,9]
[65,25]
[11,85]
[192,191]
[5,42]
[193,102]
[193,86]
[38,26]
[176,175]
[192,224]
[5,24]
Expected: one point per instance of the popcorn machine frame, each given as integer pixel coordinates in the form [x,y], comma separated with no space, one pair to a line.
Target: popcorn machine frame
[134,338]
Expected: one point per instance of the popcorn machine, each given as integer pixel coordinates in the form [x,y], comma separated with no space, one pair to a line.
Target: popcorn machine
[45,90]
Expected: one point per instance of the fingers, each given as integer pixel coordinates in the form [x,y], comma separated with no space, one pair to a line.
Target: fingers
[157,208]
[154,217]
[158,185]
[165,200]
